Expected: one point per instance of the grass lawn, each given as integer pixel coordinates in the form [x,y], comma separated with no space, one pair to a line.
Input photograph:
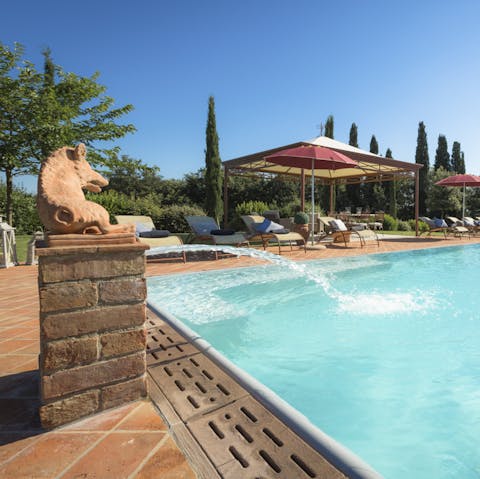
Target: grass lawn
[22,241]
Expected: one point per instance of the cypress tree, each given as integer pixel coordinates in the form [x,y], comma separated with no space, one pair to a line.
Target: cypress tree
[391,190]
[421,157]
[353,140]
[368,188]
[353,191]
[442,157]
[374,145]
[329,127]
[458,164]
[213,166]
[461,163]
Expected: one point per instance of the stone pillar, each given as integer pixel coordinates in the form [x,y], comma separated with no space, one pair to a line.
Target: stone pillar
[92,329]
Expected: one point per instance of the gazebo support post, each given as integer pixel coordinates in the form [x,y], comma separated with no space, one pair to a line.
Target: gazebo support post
[332,189]
[302,190]
[225,197]
[417,192]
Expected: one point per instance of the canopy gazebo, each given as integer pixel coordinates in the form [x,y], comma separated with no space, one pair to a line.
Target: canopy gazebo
[370,168]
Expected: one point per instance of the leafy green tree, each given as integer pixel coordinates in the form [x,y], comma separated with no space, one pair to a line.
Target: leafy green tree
[133,177]
[421,157]
[458,159]
[442,157]
[213,167]
[441,199]
[43,111]
[374,145]
[329,125]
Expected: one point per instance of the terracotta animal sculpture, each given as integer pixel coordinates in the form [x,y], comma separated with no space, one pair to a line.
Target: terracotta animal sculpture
[61,203]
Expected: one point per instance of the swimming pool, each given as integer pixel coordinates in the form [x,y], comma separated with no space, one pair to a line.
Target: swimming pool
[385,360]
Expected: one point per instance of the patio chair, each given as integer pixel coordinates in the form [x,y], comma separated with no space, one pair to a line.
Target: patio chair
[205,228]
[337,230]
[457,227]
[256,223]
[471,224]
[434,226]
[146,232]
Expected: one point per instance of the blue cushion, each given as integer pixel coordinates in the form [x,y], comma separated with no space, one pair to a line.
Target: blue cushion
[263,226]
[439,223]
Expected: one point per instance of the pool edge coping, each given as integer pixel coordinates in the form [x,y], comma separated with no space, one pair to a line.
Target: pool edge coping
[337,454]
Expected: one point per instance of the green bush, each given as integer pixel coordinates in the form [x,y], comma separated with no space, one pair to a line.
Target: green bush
[172,218]
[246,208]
[403,226]
[25,216]
[301,218]
[390,223]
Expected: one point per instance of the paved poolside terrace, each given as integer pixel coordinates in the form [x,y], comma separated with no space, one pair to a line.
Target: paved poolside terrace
[161,438]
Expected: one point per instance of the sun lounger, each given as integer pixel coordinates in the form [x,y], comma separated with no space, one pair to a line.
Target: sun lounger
[146,232]
[338,232]
[457,227]
[472,225]
[434,227]
[205,228]
[256,223]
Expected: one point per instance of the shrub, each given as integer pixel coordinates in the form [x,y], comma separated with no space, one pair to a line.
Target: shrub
[25,216]
[172,218]
[301,218]
[246,208]
[403,226]
[390,223]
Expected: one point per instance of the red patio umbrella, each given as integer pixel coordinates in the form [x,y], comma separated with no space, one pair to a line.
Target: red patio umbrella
[460,180]
[314,157]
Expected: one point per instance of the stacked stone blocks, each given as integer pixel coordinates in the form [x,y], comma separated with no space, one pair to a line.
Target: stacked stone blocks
[92,326]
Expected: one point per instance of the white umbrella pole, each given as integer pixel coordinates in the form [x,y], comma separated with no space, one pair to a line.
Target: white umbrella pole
[463,203]
[313,201]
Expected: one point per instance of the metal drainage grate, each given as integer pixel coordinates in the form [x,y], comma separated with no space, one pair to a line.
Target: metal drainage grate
[240,437]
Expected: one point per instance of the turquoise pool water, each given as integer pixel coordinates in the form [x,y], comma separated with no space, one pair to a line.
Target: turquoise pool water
[386,360]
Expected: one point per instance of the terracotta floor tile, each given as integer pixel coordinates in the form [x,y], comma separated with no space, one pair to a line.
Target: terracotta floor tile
[48,456]
[104,421]
[115,457]
[144,418]
[12,345]
[167,463]
[11,361]
[14,443]
[30,365]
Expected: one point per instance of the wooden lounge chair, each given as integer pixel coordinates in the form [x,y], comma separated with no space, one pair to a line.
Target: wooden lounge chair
[457,227]
[472,225]
[339,233]
[205,228]
[146,224]
[432,227]
[253,222]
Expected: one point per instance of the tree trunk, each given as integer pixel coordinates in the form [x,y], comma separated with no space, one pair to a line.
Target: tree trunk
[8,204]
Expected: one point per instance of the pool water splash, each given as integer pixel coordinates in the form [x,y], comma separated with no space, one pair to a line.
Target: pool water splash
[298,268]
[363,303]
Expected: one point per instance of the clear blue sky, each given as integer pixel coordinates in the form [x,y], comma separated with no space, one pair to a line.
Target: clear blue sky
[276,68]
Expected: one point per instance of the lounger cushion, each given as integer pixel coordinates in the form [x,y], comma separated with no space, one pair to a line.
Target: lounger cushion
[154,234]
[338,225]
[225,232]
[439,223]
[142,228]
[268,226]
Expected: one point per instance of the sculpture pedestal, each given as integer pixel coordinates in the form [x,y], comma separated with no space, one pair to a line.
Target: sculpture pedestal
[92,326]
